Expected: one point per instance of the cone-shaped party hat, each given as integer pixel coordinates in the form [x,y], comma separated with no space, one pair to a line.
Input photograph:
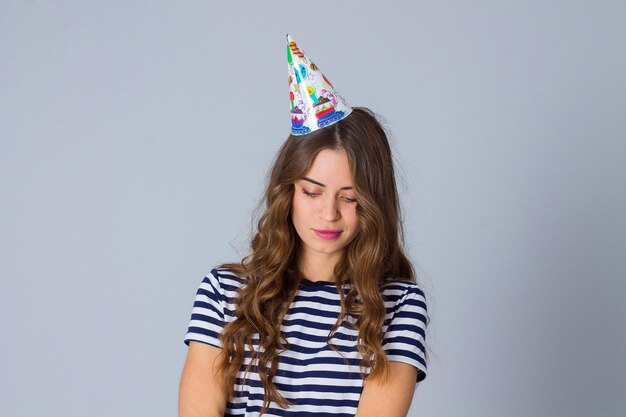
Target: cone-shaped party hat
[314,101]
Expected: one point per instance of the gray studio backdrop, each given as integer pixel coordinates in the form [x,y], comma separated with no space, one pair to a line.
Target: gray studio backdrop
[134,142]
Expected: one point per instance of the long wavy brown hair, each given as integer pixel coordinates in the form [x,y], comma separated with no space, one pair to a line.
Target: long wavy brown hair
[373,257]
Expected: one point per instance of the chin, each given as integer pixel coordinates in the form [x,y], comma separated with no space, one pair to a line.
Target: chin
[328,249]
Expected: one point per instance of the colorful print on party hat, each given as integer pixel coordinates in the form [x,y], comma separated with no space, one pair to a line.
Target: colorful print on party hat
[314,101]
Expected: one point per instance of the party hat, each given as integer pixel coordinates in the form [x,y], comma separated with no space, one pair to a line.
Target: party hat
[314,101]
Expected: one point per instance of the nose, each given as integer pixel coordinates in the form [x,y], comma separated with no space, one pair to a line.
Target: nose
[329,210]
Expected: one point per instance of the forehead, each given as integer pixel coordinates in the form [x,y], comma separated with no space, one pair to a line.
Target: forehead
[331,167]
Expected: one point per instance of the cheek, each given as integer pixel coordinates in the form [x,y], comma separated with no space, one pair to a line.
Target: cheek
[299,209]
[295,209]
[351,217]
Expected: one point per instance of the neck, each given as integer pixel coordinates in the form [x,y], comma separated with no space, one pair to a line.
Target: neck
[318,266]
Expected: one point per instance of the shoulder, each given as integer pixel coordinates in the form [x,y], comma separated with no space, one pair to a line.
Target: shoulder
[221,285]
[227,279]
[399,290]
[407,296]
[225,285]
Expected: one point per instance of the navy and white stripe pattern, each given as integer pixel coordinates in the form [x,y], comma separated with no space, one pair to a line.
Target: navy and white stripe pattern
[311,375]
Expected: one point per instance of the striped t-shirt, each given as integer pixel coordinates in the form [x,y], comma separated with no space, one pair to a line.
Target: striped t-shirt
[311,375]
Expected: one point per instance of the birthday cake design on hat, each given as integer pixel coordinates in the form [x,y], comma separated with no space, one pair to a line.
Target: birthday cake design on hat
[314,101]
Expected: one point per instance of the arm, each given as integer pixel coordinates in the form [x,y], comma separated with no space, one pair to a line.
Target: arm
[200,392]
[404,344]
[392,398]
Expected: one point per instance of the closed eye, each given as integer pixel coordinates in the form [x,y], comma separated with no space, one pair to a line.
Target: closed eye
[309,194]
[346,199]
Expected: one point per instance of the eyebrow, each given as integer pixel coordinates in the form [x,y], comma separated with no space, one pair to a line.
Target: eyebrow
[349,187]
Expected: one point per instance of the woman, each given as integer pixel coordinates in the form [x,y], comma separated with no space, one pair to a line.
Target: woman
[325,307]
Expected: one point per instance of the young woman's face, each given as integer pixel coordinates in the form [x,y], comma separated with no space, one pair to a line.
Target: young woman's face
[324,205]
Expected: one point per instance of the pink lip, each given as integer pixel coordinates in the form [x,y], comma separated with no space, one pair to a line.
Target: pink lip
[328,234]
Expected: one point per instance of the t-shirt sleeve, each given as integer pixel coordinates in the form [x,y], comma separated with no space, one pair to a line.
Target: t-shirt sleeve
[207,316]
[405,337]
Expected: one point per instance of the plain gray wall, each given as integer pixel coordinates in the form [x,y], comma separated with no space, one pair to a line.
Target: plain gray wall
[135,138]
